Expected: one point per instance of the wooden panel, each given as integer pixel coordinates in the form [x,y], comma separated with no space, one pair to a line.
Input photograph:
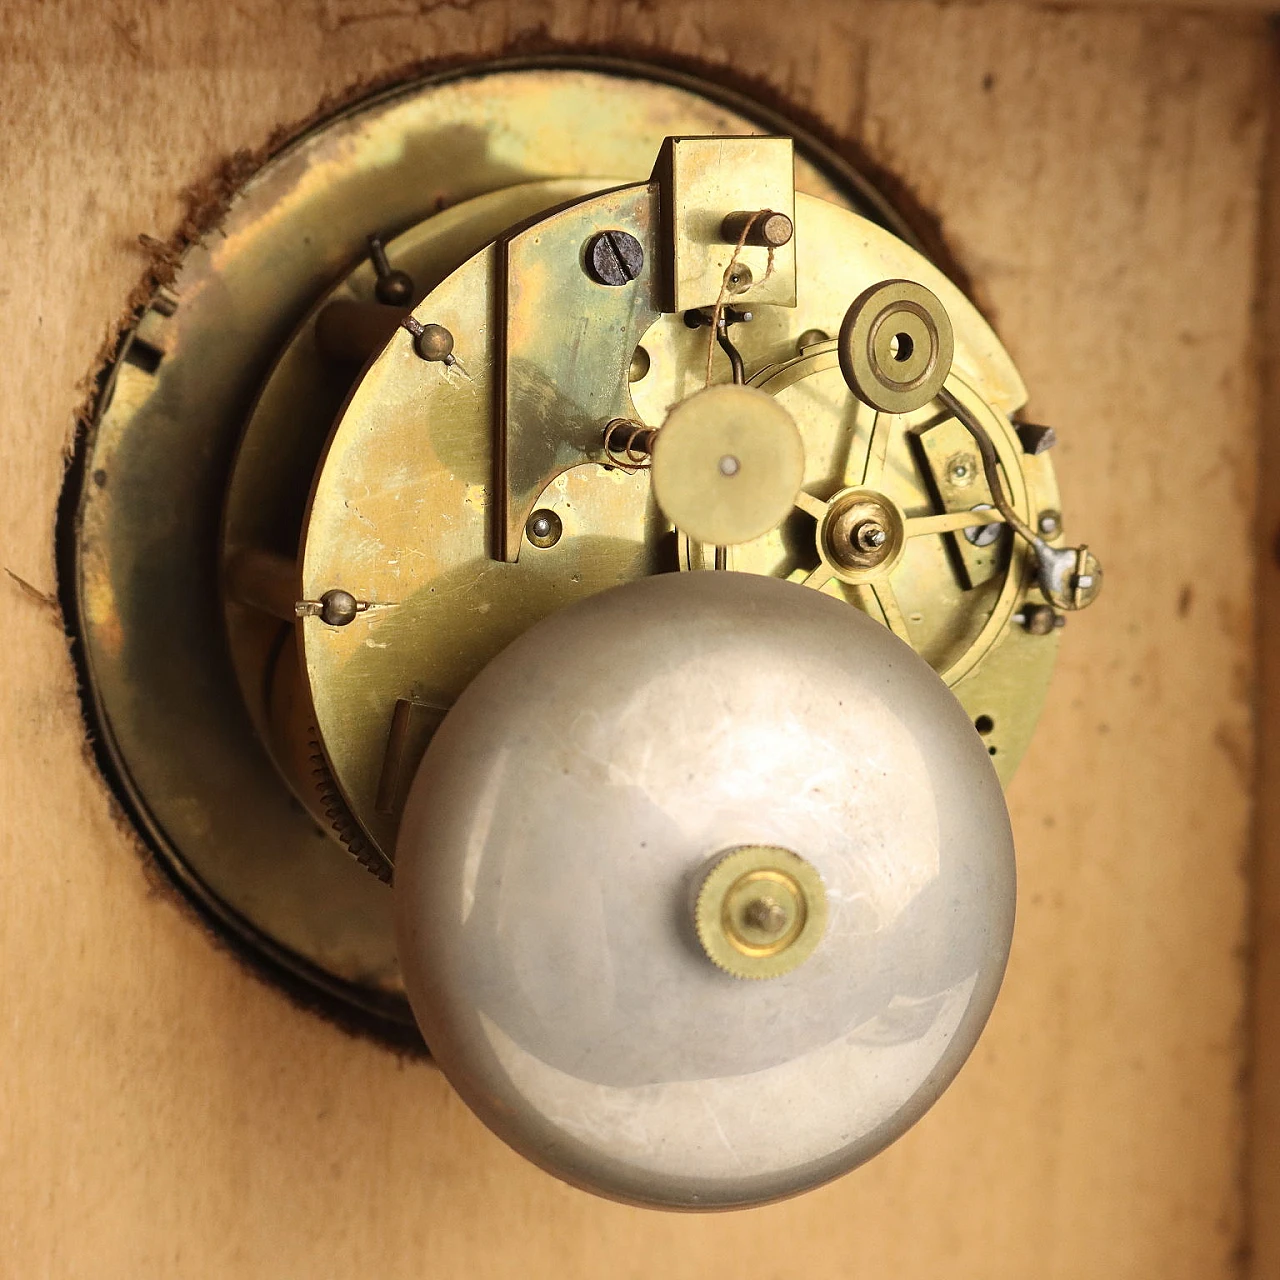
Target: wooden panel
[1264,1167]
[164,1113]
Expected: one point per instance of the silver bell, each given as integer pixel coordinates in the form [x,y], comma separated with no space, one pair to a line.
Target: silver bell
[704,891]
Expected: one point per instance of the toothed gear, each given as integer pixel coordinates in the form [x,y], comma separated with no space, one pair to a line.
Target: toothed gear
[760,912]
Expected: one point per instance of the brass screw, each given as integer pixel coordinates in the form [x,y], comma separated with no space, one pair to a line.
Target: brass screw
[544,528]
[1041,619]
[338,607]
[765,914]
[870,536]
[394,288]
[858,532]
[614,257]
[983,535]
[961,469]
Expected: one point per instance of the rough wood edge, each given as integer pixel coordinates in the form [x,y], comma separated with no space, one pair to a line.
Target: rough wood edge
[1260,1173]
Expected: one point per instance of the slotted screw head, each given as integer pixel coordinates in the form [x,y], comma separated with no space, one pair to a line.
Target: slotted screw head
[614,257]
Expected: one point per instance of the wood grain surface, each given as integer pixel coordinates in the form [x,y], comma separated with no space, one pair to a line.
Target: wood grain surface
[164,1113]
[1263,1204]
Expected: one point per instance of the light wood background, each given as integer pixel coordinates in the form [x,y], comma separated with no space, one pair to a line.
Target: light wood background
[163,1113]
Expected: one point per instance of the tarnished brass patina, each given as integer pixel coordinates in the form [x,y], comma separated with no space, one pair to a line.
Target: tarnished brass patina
[404,406]
[556,380]
[441,603]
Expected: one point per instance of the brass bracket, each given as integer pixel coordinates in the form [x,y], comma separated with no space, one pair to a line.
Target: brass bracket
[709,186]
[951,464]
[567,326]
[565,341]
[413,725]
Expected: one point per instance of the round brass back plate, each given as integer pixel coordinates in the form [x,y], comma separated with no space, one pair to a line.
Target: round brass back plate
[144,597]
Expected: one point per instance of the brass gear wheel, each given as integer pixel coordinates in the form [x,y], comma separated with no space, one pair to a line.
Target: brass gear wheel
[895,473]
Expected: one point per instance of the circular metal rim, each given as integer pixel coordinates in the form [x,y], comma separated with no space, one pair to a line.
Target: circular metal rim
[860,360]
[837,505]
[308,982]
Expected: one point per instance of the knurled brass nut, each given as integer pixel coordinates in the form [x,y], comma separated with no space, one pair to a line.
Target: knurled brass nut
[760,911]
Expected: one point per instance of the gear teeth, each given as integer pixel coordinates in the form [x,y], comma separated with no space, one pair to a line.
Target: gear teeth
[341,819]
[751,868]
[701,916]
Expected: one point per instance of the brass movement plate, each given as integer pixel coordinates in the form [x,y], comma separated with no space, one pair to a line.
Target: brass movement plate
[440,606]
[154,468]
